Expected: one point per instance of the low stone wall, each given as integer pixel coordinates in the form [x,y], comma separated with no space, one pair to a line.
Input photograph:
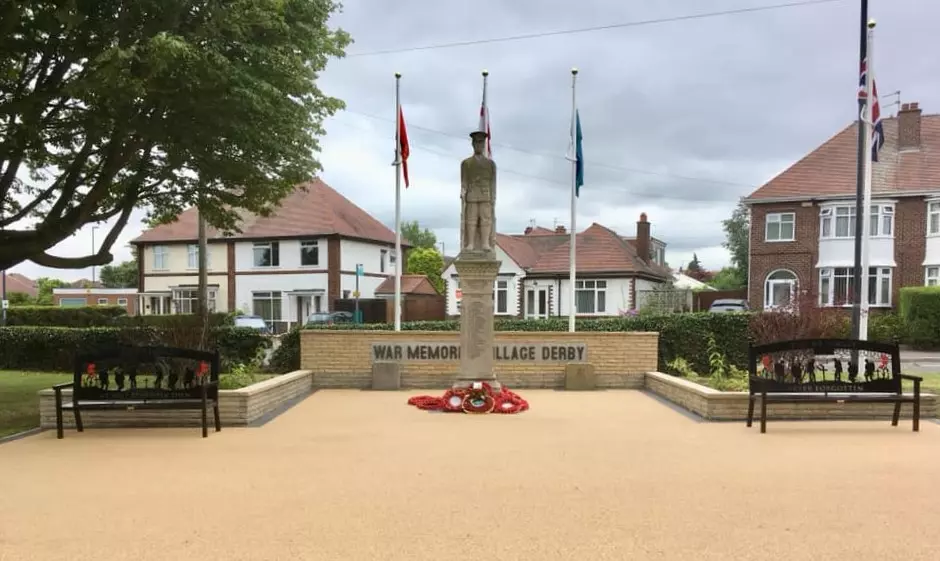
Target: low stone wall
[343,359]
[241,407]
[716,405]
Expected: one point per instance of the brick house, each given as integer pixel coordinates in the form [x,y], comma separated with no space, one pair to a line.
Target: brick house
[282,267]
[803,220]
[614,272]
[78,297]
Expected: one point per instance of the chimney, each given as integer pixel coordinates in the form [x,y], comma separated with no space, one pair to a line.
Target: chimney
[909,126]
[560,229]
[528,230]
[643,238]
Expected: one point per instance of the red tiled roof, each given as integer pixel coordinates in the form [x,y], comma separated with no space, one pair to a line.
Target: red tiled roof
[410,284]
[313,209]
[18,283]
[599,250]
[830,169]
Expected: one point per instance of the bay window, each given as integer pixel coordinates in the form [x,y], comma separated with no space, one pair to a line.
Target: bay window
[933,218]
[186,300]
[837,286]
[267,305]
[840,221]
[932,276]
[590,296]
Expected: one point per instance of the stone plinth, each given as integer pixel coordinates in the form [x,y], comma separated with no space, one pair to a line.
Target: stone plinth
[386,376]
[579,377]
[477,272]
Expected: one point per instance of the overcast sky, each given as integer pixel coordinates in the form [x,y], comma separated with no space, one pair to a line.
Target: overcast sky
[679,119]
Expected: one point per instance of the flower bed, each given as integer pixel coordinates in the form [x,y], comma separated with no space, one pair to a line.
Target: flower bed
[715,405]
[248,406]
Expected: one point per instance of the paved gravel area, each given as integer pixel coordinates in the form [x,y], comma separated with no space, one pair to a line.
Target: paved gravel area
[350,475]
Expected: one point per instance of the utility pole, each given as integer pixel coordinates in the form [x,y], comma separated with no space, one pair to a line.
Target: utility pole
[203,278]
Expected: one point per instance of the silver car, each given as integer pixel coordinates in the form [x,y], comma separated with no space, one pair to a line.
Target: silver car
[723,305]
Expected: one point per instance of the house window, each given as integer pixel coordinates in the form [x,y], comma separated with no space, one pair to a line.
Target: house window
[267,305]
[72,302]
[780,227]
[382,257]
[309,253]
[122,301]
[192,253]
[933,218]
[160,257]
[502,296]
[392,257]
[266,254]
[186,301]
[932,276]
[590,297]
[779,289]
[839,221]
[837,286]
[102,301]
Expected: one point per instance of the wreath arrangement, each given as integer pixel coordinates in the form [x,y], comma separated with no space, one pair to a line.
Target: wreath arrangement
[479,398]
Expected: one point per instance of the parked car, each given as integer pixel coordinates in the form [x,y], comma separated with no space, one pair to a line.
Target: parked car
[729,305]
[328,318]
[254,322]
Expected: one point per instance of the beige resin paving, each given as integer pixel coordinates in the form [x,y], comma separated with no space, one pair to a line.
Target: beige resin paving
[592,476]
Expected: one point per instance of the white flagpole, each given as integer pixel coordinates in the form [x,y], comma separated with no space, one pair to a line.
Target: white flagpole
[574,200]
[865,219]
[398,255]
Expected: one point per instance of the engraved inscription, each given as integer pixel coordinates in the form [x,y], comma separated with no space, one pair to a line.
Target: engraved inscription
[516,352]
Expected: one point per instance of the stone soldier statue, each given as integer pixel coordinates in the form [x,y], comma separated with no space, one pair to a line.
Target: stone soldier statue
[478,198]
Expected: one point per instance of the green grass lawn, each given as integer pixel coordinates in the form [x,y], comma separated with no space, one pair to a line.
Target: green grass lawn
[19,399]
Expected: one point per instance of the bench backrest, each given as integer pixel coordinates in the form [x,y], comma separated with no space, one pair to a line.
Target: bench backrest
[145,373]
[824,365]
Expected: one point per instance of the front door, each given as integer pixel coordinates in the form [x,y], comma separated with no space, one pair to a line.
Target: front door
[303,308]
[536,303]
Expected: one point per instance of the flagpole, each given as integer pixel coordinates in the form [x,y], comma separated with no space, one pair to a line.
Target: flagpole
[398,255]
[866,132]
[863,142]
[574,201]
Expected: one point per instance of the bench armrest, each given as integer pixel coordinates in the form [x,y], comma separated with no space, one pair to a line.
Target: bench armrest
[911,378]
[59,387]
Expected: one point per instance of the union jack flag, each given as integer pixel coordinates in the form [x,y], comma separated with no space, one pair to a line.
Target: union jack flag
[877,129]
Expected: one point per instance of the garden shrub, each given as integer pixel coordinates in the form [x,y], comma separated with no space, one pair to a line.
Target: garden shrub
[54,348]
[680,335]
[803,320]
[920,313]
[85,316]
[286,358]
[886,327]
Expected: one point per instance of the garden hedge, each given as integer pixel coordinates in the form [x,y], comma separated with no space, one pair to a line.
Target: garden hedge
[920,312]
[46,348]
[680,335]
[85,316]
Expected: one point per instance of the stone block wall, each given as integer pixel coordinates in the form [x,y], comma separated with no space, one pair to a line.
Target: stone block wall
[343,359]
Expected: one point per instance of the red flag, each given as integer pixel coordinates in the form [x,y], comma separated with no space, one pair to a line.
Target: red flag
[403,144]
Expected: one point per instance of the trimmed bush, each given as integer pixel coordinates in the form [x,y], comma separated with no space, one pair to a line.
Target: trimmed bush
[85,316]
[680,335]
[54,348]
[920,313]
[286,358]
[886,327]
[803,320]
[176,321]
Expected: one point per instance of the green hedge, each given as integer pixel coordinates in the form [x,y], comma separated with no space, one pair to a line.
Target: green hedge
[286,358]
[85,316]
[54,348]
[176,321]
[920,312]
[680,335]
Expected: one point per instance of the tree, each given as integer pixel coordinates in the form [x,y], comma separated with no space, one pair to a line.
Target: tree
[107,106]
[124,275]
[737,233]
[417,237]
[20,299]
[728,278]
[45,286]
[427,261]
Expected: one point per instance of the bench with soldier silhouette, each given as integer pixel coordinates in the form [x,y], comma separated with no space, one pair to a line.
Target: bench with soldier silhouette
[826,371]
[128,378]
